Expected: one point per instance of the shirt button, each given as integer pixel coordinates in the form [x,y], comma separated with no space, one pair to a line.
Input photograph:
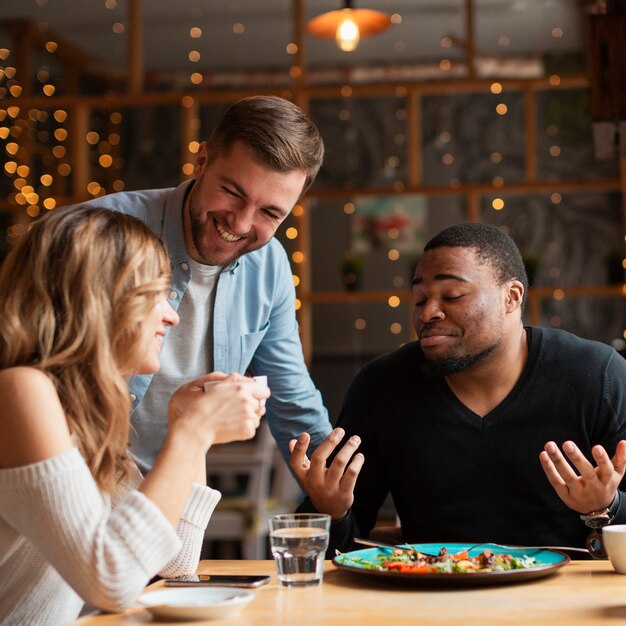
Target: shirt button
[173,295]
[133,397]
[185,266]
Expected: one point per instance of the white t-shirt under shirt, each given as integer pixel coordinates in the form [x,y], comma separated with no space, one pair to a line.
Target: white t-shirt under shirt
[187,354]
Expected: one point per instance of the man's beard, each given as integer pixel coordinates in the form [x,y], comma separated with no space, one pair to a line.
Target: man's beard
[197,231]
[454,363]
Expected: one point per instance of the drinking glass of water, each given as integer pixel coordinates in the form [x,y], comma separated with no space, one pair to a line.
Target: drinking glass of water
[299,542]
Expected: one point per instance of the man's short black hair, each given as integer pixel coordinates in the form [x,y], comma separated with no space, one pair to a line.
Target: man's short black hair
[491,244]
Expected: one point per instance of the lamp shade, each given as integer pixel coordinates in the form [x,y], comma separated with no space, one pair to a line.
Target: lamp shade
[368,21]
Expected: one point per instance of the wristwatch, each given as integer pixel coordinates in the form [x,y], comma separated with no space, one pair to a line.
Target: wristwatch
[602,517]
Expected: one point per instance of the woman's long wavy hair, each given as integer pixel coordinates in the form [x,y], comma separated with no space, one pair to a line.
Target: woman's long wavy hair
[73,294]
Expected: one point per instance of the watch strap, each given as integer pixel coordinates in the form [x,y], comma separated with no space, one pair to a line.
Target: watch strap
[602,517]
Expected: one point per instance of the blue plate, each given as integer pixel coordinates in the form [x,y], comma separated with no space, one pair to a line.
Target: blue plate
[548,561]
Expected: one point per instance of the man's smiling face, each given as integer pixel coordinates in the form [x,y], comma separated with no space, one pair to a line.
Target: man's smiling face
[236,205]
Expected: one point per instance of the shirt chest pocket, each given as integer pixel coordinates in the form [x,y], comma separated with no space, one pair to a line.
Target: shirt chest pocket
[249,344]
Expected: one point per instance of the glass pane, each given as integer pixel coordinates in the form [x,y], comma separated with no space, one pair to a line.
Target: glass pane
[361,328]
[347,335]
[151,147]
[570,236]
[365,141]
[565,149]
[473,138]
[527,28]
[602,319]
[378,240]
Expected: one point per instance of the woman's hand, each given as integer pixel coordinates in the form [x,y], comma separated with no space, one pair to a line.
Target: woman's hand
[229,410]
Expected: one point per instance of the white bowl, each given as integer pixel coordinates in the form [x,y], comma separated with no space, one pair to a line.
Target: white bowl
[195,603]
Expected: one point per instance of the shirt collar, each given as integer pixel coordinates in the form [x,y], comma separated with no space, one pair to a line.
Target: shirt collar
[173,232]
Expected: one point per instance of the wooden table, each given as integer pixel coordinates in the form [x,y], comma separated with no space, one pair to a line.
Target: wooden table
[582,592]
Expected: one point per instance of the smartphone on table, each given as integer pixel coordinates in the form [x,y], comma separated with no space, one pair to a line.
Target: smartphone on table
[218,580]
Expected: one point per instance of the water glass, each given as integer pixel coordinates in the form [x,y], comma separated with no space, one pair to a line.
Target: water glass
[299,542]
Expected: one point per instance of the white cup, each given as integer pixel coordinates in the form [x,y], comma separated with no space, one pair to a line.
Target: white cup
[258,379]
[614,540]
[263,381]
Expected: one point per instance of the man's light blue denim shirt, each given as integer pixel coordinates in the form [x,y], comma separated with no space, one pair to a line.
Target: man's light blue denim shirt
[254,322]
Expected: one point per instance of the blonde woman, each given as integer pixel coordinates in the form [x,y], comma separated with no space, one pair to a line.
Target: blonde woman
[82,303]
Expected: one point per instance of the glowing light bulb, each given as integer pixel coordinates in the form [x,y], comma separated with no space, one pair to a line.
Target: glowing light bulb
[348,35]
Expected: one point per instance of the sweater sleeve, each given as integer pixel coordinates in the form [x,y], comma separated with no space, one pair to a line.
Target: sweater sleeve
[107,556]
[193,522]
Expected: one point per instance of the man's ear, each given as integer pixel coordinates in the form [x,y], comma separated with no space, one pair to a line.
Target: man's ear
[201,161]
[514,295]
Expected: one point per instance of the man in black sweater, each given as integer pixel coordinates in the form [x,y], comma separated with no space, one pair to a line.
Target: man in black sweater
[460,426]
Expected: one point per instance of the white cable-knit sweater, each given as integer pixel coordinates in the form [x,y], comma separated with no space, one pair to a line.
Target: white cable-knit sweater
[63,544]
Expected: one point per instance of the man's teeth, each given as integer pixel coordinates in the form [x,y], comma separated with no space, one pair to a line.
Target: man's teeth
[224,234]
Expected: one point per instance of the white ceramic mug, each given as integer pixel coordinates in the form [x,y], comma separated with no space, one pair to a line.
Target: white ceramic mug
[258,379]
[614,539]
[263,381]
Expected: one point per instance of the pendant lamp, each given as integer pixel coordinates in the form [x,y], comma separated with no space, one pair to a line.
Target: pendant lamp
[348,25]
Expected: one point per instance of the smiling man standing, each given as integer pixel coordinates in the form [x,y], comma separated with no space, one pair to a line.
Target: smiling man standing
[232,283]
